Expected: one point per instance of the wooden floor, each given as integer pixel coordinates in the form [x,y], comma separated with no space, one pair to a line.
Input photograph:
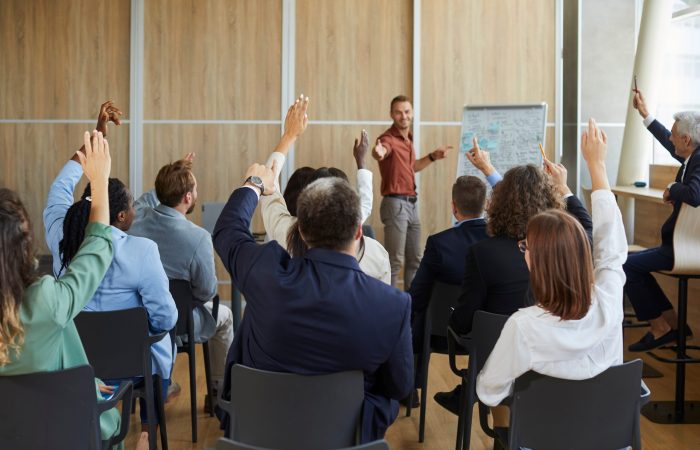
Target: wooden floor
[441,425]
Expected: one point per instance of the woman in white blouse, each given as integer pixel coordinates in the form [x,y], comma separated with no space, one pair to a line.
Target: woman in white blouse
[575,329]
[372,257]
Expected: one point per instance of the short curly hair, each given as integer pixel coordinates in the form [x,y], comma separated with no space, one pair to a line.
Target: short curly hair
[523,192]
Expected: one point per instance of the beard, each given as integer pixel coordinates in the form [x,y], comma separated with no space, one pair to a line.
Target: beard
[191,208]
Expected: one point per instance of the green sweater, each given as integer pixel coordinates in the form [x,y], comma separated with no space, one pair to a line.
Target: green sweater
[51,341]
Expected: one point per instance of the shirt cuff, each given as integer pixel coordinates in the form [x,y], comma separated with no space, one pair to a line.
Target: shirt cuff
[252,189]
[648,120]
[494,178]
[570,194]
[279,160]
[670,184]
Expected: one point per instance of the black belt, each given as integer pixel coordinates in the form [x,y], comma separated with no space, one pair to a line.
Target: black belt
[407,198]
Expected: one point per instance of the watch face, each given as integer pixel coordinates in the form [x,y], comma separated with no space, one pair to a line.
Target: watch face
[255,180]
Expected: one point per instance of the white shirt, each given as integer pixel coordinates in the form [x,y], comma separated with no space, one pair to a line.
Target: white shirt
[374,260]
[534,339]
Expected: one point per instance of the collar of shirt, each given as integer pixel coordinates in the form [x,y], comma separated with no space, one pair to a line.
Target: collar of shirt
[168,211]
[467,220]
[394,131]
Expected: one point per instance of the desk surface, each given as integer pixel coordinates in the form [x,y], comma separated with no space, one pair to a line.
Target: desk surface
[645,193]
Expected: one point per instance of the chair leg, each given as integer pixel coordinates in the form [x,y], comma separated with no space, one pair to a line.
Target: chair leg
[150,413]
[423,397]
[193,390]
[161,413]
[461,418]
[207,375]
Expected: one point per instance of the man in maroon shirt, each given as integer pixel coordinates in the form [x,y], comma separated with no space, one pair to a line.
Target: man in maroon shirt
[399,210]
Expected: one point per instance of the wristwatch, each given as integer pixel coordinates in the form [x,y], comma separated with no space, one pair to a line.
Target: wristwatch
[257,182]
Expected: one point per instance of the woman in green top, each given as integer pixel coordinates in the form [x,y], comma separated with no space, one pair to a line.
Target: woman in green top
[37,332]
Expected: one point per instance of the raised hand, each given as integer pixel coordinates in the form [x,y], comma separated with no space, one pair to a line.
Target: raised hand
[559,174]
[594,148]
[97,164]
[108,113]
[189,157]
[378,152]
[481,159]
[360,149]
[639,103]
[266,174]
[297,120]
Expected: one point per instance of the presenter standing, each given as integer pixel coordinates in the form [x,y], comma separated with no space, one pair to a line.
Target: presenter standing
[399,209]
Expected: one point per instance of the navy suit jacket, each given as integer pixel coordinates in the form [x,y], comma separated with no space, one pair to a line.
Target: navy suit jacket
[443,260]
[496,278]
[316,314]
[686,191]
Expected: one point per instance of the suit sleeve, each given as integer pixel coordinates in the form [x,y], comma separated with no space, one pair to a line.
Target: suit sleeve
[688,191]
[155,291]
[662,135]
[422,284]
[576,209]
[235,244]
[395,376]
[473,297]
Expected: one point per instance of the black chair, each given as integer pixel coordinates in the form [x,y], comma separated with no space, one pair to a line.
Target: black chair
[443,299]
[227,444]
[290,411]
[118,346]
[486,330]
[57,410]
[181,290]
[601,412]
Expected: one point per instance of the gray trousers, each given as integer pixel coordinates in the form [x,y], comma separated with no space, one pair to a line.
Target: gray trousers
[401,237]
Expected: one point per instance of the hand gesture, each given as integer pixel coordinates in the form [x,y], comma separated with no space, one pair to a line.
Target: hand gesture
[558,173]
[296,121]
[594,144]
[189,157]
[108,113]
[639,103]
[441,152]
[96,160]
[481,159]
[266,174]
[360,149]
[378,152]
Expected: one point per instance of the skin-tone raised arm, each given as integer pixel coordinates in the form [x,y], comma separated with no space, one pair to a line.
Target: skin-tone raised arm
[594,148]
[97,164]
[437,154]
[639,103]
[481,159]
[559,174]
[294,124]
[360,149]
[108,113]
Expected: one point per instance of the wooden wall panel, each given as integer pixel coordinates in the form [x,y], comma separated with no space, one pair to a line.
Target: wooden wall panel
[60,58]
[33,154]
[353,56]
[486,52]
[331,146]
[213,59]
[648,218]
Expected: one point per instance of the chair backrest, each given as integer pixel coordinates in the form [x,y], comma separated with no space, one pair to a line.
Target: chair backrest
[686,241]
[486,330]
[228,444]
[601,412]
[290,411]
[210,214]
[116,342]
[181,290]
[56,410]
[443,299]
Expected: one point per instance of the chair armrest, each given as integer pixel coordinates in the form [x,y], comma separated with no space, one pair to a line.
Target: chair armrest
[455,343]
[157,337]
[125,395]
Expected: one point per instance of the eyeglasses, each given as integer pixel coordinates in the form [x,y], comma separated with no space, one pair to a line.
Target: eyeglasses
[522,245]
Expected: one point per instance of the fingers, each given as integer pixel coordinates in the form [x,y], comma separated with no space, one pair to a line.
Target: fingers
[584,139]
[273,167]
[365,138]
[605,137]
[475,143]
[357,143]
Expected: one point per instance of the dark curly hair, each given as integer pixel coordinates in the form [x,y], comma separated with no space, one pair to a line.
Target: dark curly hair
[523,192]
[298,181]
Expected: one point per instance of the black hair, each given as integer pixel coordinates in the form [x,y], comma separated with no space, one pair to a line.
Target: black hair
[78,214]
[295,184]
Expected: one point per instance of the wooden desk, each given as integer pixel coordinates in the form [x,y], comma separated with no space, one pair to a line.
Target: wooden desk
[650,212]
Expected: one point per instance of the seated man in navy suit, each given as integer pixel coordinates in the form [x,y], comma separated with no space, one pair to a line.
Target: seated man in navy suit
[648,299]
[443,259]
[318,313]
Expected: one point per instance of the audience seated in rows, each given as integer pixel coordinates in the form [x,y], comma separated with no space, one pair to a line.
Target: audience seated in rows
[319,313]
[279,212]
[574,328]
[186,253]
[135,278]
[37,332]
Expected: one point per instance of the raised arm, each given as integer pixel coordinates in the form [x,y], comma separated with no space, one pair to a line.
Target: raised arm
[58,202]
[436,155]
[481,160]
[364,176]
[654,126]
[558,173]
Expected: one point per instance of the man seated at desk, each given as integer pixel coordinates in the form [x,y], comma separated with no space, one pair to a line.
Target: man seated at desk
[648,299]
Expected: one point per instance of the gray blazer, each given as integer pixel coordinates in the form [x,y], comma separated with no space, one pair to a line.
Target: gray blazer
[186,252]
